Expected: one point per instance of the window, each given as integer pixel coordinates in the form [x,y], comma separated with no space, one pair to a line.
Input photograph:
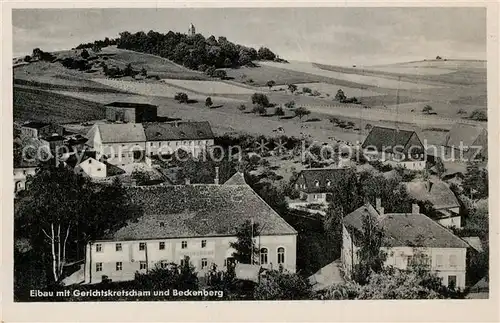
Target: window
[453,261]
[203,243]
[98,266]
[184,244]
[183,262]
[142,265]
[142,246]
[439,261]
[328,183]
[204,263]
[263,256]
[118,247]
[98,247]
[163,264]
[281,255]
[161,245]
[162,224]
[98,169]
[316,183]
[452,281]
[119,266]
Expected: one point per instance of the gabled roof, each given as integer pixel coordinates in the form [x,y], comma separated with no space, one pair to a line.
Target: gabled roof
[121,132]
[201,210]
[382,137]
[35,124]
[436,192]
[406,229]
[72,160]
[156,131]
[321,176]
[465,133]
[237,179]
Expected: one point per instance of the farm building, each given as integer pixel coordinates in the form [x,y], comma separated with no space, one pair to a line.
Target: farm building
[441,197]
[195,221]
[36,129]
[471,139]
[409,239]
[131,112]
[395,147]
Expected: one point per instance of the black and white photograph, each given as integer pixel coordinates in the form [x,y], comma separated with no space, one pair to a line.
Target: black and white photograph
[249,154]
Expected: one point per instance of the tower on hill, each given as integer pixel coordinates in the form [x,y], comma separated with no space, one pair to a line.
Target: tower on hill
[191,30]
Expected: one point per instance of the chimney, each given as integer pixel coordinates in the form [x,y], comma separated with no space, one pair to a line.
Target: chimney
[188,181]
[378,206]
[429,185]
[216,179]
[415,209]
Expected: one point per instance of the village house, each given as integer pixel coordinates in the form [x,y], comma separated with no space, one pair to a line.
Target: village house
[37,129]
[22,169]
[196,221]
[314,184]
[472,140]
[168,137]
[395,147]
[88,165]
[127,143]
[118,144]
[409,239]
[131,112]
[442,198]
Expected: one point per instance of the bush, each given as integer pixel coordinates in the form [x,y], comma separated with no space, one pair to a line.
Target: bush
[290,105]
[260,99]
[208,102]
[259,109]
[479,115]
[220,74]
[27,58]
[279,111]
[85,54]
[210,71]
[242,107]
[181,97]
[316,93]
[306,90]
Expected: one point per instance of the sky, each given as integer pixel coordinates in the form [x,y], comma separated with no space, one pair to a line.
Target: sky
[337,36]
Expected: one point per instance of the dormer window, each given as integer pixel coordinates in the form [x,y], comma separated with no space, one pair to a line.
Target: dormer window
[328,183]
[316,183]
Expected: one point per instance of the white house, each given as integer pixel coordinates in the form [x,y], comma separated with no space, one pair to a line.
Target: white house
[315,184]
[395,147]
[198,221]
[409,239]
[22,169]
[92,168]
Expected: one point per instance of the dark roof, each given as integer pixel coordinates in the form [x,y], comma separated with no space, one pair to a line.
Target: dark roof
[463,133]
[439,194]
[156,131]
[380,137]
[53,138]
[237,179]
[35,124]
[199,211]
[406,229]
[322,176]
[72,160]
[130,105]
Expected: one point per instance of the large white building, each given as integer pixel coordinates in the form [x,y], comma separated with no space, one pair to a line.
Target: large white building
[198,221]
[121,144]
[409,239]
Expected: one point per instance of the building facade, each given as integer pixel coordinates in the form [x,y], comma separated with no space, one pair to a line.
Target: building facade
[198,221]
[131,112]
[315,184]
[409,239]
[21,173]
[37,129]
[92,168]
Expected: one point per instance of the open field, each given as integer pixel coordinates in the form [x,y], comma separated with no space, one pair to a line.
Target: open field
[33,104]
[412,70]
[159,89]
[369,80]
[209,87]
[327,88]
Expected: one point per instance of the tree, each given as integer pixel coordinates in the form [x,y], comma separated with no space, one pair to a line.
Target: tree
[210,71]
[260,99]
[290,105]
[440,169]
[220,74]
[208,102]
[144,72]
[301,112]
[278,285]
[85,54]
[62,209]
[461,111]
[306,90]
[245,245]
[332,223]
[368,127]
[479,115]
[181,97]
[260,109]
[270,84]
[141,178]
[475,182]
[427,109]
[265,53]
[96,48]
[188,278]
[292,88]
[371,257]
[242,107]
[279,111]
[340,96]
[27,58]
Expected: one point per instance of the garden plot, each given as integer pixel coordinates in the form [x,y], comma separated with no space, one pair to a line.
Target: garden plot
[209,87]
[375,81]
[331,89]
[155,89]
